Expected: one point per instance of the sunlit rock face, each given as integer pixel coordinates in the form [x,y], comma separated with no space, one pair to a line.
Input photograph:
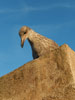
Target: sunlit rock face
[50,77]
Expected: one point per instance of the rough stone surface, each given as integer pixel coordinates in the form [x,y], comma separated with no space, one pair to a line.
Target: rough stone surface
[50,77]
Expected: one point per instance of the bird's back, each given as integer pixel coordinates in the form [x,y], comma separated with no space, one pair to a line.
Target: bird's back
[41,45]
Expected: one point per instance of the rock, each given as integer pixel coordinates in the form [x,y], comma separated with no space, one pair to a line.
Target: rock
[50,77]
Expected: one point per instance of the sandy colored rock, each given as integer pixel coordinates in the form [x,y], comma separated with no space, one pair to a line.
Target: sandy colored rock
[50,77]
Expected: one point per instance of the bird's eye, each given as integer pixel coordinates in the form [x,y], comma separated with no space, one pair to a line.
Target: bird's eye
[24,32]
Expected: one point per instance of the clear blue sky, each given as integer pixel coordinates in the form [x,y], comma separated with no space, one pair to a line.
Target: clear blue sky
[54,19]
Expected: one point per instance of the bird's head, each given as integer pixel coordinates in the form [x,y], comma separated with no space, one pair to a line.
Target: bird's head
[24,34]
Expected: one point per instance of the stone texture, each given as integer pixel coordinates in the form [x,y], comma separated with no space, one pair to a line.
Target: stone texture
[50,77]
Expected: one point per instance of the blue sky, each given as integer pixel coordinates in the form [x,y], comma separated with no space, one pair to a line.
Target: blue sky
[54,19]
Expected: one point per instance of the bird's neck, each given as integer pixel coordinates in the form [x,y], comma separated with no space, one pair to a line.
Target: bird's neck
[33,36]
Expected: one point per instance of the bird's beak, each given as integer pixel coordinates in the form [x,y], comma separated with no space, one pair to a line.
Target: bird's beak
[22,42]
[23,38]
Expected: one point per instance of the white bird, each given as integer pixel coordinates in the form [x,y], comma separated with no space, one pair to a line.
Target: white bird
[39,44]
